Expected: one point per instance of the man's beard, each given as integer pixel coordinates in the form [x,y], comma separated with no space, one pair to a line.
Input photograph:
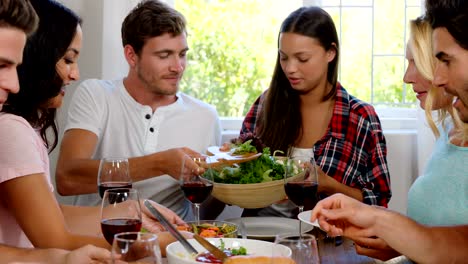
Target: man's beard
[155,89]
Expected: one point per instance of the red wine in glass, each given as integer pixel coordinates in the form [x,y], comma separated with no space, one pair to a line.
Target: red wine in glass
[102,187]
[120,212]
[301,182]
[196,180]
[113,173]
[302,193]
[196,192]
[110,227]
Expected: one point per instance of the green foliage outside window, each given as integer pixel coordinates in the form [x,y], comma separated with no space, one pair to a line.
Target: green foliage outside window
[233,49]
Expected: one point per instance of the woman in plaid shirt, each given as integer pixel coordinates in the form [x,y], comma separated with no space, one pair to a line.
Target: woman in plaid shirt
[307,110]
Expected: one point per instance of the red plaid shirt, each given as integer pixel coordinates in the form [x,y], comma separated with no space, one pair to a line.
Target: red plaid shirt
[353,151]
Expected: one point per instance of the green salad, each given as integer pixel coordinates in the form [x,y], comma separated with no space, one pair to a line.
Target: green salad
[263,169]
[241,251]
[244,148]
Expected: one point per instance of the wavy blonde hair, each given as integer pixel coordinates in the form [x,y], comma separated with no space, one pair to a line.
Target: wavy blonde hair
[420,43]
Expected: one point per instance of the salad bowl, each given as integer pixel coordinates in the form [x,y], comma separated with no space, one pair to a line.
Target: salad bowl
[251,184]
[250,195]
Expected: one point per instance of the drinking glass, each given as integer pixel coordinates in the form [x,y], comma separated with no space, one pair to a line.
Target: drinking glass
[301,182]
[304,247]
[120,212]
[136,247]
[196,184]
[113,173]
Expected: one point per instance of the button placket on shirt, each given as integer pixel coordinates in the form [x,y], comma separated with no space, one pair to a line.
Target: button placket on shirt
[150,122]
[151,139]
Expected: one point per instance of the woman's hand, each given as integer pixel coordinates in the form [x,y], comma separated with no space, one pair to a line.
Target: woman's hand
[88,254]
[323,179]
[328,185]
[165,238]
[152,224]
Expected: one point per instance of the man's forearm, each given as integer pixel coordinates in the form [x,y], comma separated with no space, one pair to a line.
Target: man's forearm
[77,176]
[80,176]
[421,243]
[145,167]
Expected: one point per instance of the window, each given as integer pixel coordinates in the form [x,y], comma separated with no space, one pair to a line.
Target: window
[234,47]
[373,36]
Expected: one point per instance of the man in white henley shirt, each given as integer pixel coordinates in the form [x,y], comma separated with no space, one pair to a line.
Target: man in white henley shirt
[142,117]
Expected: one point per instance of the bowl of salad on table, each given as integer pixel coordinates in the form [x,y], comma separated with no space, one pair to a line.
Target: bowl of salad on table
[247,174]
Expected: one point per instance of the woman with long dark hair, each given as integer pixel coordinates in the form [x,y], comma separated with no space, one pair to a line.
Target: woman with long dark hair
[29,213]
[306,111]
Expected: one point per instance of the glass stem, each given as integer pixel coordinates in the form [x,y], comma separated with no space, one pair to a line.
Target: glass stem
[301,209]
[197,213]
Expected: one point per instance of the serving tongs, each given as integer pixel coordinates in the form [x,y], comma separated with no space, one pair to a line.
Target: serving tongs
[170,228]
[219,158]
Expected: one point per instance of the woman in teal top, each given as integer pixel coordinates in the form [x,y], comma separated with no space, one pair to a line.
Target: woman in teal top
[440,196]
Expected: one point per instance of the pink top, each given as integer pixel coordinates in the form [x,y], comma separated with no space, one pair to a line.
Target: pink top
[22,152]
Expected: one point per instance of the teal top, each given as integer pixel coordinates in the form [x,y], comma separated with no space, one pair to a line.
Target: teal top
[440,196]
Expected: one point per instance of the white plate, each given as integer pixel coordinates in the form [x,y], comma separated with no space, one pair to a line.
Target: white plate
[266,228]
[305,217]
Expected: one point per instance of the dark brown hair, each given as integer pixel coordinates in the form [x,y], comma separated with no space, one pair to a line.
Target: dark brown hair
[18,14]
[280,122]
[38,77]
[150,19]
[451,14]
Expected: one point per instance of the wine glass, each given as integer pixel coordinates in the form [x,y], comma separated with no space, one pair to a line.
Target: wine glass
[136,247]
[120,212]
[113,173]
[197,183]
[303,248]
[301,182]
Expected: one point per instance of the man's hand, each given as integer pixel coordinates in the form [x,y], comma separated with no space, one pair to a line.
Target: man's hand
[371,246]
[339,214]
[174,158]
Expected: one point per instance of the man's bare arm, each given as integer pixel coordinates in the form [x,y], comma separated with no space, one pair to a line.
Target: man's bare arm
[76,172]
[421,243]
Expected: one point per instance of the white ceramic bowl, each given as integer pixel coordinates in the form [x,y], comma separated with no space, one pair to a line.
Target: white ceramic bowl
[176,253]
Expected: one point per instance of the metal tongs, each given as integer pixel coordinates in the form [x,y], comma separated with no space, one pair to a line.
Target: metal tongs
[170,228]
